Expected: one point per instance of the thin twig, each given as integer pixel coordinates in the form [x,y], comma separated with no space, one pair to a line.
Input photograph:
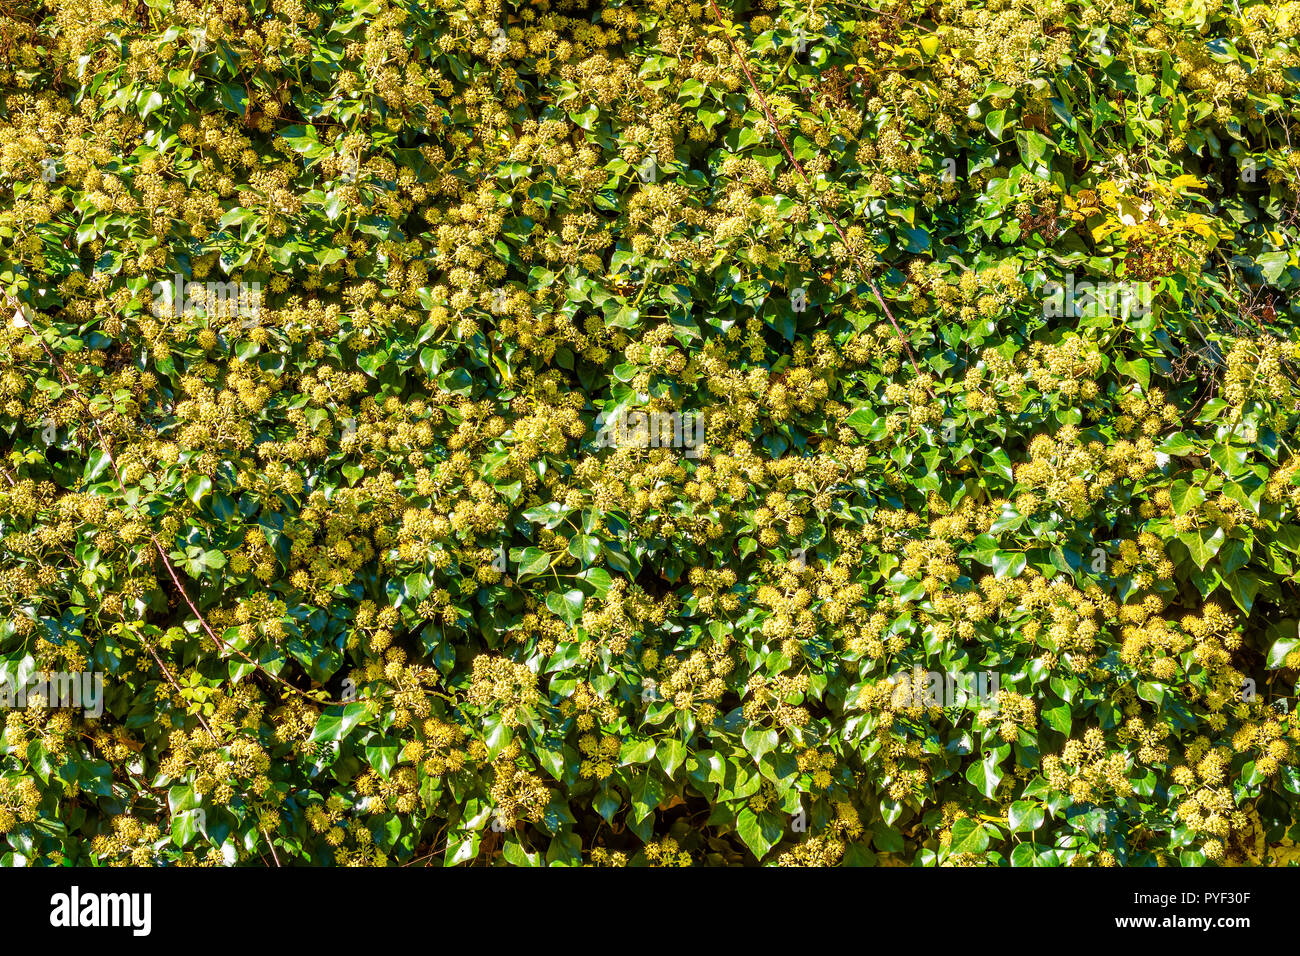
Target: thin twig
[270,845]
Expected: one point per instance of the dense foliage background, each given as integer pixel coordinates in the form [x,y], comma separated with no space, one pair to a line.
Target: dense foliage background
[365,579]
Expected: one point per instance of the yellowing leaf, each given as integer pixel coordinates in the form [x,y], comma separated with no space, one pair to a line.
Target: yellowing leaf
[1130,213]
[1104,230]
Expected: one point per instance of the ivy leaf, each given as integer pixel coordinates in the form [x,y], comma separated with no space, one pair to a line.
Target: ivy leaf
[1202,544]
[532,562]
[1007,564]
[671,754]
[636,752]
[758,741]
[1024,815]
[584,547]
[759,831]
[337,722]
[1277,654]
[197,488]
[1138,369]
[985,775]
[567,606]
[995,122]
[149,102]
[968,837]
[1185,497]
[1033,146]
[867,424]
[1058,718]
[1234,555]
[1243,586]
